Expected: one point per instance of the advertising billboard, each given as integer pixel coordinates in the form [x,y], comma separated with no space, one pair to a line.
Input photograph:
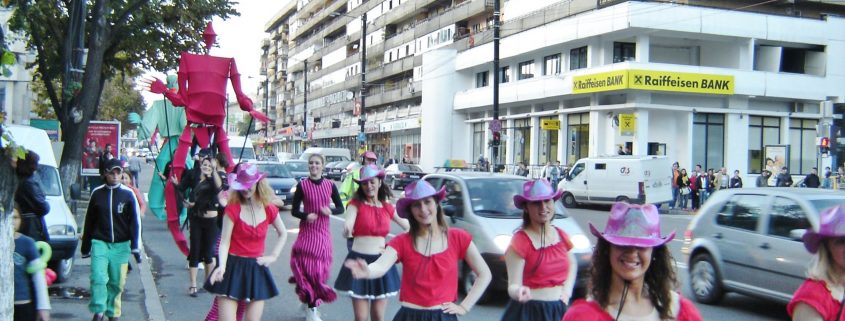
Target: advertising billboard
[102,142]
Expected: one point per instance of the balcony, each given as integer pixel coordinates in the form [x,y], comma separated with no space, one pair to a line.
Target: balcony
[387,94]
[318,17]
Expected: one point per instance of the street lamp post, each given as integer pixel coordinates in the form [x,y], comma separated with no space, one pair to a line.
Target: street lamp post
[305,105]
[362,118]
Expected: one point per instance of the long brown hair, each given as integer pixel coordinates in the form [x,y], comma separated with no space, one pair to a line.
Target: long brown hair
[416,228]
[263,194]
[660,279]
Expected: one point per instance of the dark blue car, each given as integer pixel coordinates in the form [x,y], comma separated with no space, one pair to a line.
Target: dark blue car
[280,179]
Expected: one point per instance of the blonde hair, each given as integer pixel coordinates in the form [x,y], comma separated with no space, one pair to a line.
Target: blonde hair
[821,266]
[263,194]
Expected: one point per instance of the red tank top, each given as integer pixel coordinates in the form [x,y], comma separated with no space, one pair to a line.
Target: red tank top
[815,294]
[549,271]
[248,241]
[371,220]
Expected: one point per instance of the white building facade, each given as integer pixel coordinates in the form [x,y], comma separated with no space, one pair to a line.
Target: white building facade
[15,87]
[708,86]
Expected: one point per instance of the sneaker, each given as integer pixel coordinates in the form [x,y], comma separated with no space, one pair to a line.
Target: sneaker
[312,315]
[99,317]
[201,267]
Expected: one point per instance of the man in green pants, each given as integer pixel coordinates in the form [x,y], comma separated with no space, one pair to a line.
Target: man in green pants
[111,233]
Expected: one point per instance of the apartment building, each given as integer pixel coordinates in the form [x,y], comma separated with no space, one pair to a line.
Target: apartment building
[745,85]
[273,92]
[325,48]
[16,94]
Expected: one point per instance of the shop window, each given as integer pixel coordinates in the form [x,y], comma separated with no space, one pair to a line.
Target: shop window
[504,74]
[548,143]
[578,137]
[578,58]
[708,140]
[478,143]
[624,51]
[802,146]
[526,70]
[762,131]
[481,79]
[551,65]
[522,141]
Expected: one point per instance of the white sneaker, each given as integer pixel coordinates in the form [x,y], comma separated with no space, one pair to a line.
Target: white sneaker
[201,266]
[312,315]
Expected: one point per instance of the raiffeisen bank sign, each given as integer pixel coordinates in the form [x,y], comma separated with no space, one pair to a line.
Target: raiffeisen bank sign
[654,80]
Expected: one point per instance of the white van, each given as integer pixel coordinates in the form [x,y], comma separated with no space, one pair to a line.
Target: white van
[330,154]
[236,144]
[61,224]
[605,180]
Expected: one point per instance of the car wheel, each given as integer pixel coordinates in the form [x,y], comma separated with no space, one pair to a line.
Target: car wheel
[705,281]
[622,199]
[569,200]
[62,269]
[468,279]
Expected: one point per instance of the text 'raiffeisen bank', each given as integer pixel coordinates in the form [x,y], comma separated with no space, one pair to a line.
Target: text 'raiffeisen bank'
[654,80]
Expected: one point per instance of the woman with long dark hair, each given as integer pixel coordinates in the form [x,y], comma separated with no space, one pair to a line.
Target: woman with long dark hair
[632,276]
[541,269]
[202,216]
[368,218]
[429,252]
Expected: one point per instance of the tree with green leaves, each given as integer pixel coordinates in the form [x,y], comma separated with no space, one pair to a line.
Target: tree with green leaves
[120,36]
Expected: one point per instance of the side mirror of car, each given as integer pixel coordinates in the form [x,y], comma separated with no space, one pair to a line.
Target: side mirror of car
[450,210]
[75,191]
[797,234]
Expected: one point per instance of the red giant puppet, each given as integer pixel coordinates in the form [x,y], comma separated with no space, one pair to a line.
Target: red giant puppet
[202,91]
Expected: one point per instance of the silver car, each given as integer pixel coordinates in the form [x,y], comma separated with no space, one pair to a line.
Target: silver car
[748,240]
[482,204]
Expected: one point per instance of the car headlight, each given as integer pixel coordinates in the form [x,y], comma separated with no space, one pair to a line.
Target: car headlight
[580,241]
[502,241]
[293,189]
[61,230]
[277,191]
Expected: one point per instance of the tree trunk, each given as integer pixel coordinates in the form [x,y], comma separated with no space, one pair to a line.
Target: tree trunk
[8,184]
[89,97]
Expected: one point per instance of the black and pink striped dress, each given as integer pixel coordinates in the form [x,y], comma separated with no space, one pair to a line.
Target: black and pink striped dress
[311,255]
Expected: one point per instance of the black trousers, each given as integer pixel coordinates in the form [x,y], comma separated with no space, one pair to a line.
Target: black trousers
[203,240]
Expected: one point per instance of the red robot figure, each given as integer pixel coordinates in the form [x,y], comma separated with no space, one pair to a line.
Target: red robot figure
[202,91]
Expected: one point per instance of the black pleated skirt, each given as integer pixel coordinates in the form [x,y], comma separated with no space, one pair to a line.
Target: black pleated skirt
[409,314]
[244,280]
[534,310]
[369,289]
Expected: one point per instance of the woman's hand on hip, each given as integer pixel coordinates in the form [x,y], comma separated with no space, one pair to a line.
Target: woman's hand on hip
[265,260]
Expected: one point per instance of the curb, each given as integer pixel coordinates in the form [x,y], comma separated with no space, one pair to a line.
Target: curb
[152,301]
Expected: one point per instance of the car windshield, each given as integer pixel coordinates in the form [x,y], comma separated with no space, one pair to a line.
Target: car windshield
[274,170]
[249,153]
[297,166]
[409,168]
[494,197]
[48,178]
[334,158]
[823,204]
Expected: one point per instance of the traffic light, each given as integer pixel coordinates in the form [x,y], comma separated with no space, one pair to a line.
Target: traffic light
[497,138]
[834,135]
[824,145]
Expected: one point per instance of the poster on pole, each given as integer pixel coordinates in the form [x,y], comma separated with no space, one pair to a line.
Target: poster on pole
[102,141]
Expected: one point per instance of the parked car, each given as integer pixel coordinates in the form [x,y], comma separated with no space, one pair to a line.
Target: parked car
[609,179]
[482,204]
[329,154]
[399,175]
[327,167]
[748,240]
[337,169]
[61,224]
[280,179]
[150,158]
[297,168]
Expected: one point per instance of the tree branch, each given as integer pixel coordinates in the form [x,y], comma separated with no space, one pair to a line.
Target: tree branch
[124,16]
[46,75]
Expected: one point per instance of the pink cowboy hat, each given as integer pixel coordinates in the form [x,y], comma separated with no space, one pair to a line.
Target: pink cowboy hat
[370,155]
[537,190]
[369,172]
[245,178]
[633,225]
[414,192]
[831,224]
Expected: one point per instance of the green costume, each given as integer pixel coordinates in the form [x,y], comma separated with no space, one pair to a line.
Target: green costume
[109,262]
[170,121]
[349,186]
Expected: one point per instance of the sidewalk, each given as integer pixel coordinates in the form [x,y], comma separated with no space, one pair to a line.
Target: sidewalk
[140,297]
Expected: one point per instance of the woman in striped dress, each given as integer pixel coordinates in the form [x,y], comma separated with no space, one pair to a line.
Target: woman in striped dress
[311,255]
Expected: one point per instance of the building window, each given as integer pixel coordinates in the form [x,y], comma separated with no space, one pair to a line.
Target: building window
[551,65]
[708,140]
[624,51]
[548,143]
[802,145]
[504,74]
[526,70]
[478,143]
[578,58]
[578,137]
[762,131]
[481,79]
[522,141]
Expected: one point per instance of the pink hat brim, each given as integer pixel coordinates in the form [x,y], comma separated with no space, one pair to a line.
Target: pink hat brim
[632,241]
[519,200]
[812,240]
[237,185]
[380,174]
[403,203]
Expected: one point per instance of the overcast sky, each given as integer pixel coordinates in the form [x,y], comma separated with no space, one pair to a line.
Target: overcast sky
[240,37]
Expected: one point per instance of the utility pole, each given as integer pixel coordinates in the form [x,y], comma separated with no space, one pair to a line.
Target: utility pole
[266,104]
[496,125]
[305,107]
[361,116]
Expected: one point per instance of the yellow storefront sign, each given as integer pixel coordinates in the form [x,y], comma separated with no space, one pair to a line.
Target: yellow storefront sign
[627,124]
[550,124]
[654,80]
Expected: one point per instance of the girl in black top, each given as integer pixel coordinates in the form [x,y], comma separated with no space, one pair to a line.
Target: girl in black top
[202,215]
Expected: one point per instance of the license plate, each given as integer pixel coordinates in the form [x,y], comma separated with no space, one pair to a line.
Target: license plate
[283,197]
[337,170]
[414,176]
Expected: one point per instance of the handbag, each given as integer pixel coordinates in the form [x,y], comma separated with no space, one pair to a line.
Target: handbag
[685,190]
